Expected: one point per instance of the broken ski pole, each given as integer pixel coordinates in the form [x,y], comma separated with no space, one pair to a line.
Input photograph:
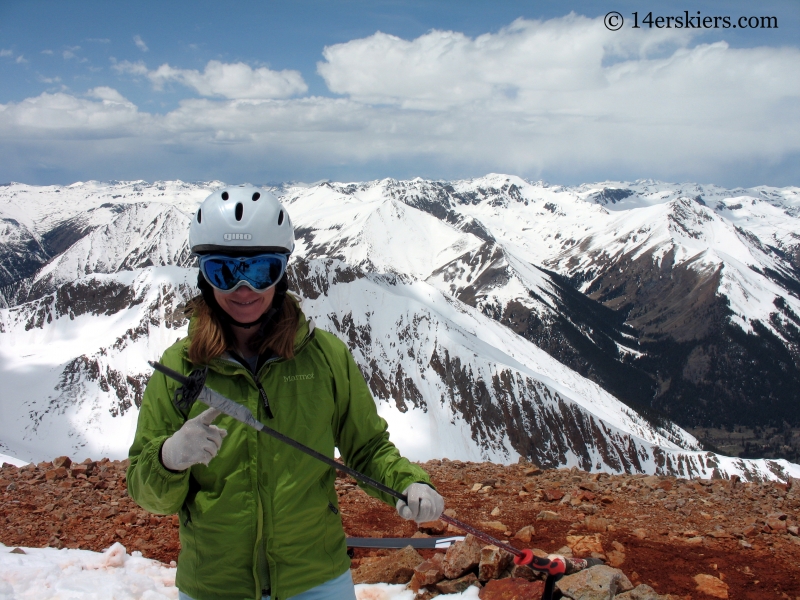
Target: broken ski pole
[193,388]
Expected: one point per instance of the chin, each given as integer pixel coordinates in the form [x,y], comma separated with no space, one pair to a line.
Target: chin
[247,317]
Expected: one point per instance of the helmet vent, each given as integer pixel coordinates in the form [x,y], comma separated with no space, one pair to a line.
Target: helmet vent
[239,211]
[256,196]
[280,218]
[199,215]
[225,195]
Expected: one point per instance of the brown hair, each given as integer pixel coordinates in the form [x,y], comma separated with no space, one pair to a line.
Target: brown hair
[210,338]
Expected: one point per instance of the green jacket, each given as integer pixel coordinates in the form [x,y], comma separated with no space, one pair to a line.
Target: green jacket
[263,515]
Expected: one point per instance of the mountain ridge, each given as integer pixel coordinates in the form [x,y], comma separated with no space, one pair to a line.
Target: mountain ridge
[378,235]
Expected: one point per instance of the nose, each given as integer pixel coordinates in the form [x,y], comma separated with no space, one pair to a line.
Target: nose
[243,293]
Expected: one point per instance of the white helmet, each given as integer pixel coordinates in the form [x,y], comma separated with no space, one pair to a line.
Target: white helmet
[241,218]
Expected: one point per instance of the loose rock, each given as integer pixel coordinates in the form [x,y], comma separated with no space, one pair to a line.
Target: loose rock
[596,583]
[461,557]
[457,586]
[397,568]
[711,586]
[493,562]
[640,592]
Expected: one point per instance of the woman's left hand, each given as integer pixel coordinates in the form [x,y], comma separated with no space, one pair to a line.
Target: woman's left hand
[424,503]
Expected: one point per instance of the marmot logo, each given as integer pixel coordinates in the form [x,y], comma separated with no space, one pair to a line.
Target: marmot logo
[288,378]
[236,236]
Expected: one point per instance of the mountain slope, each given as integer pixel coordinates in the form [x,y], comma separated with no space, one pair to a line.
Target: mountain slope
[435,287]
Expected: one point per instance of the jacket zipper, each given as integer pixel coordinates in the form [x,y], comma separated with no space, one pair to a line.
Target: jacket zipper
[264,399]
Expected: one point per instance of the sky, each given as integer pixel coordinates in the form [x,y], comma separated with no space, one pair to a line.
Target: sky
[352,90]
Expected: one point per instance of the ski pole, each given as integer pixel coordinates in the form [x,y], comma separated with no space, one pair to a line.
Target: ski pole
[194,388]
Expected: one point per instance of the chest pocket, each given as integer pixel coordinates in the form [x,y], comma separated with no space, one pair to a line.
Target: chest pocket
[301,395]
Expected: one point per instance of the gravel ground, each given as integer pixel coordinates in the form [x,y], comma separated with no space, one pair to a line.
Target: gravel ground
[661,531]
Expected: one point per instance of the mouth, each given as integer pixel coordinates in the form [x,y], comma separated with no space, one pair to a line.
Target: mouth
[243,303]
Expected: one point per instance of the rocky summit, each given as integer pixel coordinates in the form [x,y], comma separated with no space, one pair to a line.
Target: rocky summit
[660,537]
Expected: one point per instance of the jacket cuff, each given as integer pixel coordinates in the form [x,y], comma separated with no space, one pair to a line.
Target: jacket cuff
[153,457]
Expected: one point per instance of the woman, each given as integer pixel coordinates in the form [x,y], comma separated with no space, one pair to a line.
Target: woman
[259,518]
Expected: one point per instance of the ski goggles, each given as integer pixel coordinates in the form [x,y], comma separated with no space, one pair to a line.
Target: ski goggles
[259,272]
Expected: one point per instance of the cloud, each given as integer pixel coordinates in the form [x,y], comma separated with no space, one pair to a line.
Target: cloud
[47,52]
[562,99]
[137,68]
[9,53]
[66,117]
[99,40]
[235,81]
[44,79]
[442,69]
[109,96]
[140,43]
[71,53]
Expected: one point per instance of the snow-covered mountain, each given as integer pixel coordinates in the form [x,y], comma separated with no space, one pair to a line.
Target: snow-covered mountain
[682,298]
[454,297]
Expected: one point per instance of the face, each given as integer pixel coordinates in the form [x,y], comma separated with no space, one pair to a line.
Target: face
[245,305]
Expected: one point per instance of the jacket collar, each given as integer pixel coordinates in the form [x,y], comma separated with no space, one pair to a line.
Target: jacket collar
[226,365]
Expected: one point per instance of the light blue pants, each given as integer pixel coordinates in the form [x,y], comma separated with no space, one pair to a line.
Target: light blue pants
[340,588]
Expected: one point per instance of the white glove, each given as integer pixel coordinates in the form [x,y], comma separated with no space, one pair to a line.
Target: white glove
[196,442]
[424,503]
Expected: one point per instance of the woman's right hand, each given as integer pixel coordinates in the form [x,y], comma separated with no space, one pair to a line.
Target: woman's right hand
[197,442]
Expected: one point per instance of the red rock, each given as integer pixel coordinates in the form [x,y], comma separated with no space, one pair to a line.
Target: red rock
[511,589]
[593,583]
[553,495]
[427,573]
[456,586]
[59,473]
[596,524]
[615,558]
[777,525]
[525,534]
[496,525]
[433,527]
[526,573]
[711,586]
[108,511]
[461,557]
[493,562]
[720,535]
[751,530]
[62,461]
[395,568]
[548,515]
[585,545]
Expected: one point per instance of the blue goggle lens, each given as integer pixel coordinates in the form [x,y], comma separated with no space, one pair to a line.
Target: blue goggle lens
[226,273]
